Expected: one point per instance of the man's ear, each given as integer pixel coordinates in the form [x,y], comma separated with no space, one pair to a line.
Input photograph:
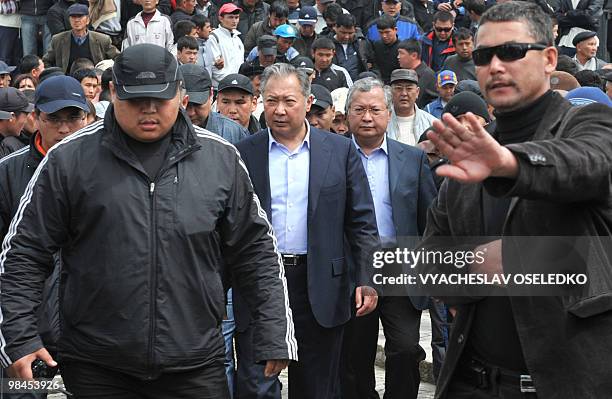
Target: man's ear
[113,91]
[185,101]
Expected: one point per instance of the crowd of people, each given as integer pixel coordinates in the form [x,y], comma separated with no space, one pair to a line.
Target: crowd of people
[191,192]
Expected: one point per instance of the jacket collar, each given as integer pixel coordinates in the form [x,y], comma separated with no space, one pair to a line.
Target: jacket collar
[182,143]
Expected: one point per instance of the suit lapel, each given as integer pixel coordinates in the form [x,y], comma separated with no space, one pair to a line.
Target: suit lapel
[320,155]
[259,170]
[64,50]
[396,162]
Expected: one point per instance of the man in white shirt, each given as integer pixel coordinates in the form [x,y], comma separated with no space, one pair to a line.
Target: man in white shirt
[586,44]
[224,49]
[407,122]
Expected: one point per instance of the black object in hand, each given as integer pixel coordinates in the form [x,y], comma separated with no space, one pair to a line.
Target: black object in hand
[40,369]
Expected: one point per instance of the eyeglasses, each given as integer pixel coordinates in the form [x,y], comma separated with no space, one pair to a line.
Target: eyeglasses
[505,52]
[361,111]
[57,122]
[438,29]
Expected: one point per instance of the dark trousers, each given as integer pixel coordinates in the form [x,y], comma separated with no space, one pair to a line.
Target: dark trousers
[250,380]
[459,389]
[316,374]
[401,323]
[10,50]
[86,380]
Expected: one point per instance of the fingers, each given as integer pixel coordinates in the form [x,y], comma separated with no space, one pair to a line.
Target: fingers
[369,304]
[369,300]
[358,298]
[274,367]
[44,355]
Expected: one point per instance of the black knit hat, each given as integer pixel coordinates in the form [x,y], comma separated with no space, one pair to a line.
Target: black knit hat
[465,102]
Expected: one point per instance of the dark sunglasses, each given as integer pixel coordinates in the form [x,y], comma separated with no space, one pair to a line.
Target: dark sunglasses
[442,29]
[505,52]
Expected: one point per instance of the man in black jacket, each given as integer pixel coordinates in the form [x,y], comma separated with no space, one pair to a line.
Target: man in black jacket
[353,51]
[545,172]
[144,249]
[60,111]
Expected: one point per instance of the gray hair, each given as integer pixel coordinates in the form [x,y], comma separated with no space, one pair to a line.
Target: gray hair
[538,22]
[283,70]
[366,85]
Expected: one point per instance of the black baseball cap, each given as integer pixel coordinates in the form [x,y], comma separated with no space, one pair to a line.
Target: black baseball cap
[267,45]
[12,100]
[465,102]
[250,69]
[197,82]
[236,81]
[322,96]
[59,92]
[146,70]
[4,68]
[303,63]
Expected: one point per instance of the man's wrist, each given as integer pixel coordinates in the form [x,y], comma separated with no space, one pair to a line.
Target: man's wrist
[508,165]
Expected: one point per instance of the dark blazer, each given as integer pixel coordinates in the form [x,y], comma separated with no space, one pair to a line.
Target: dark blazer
[412,190]
[59,52]
[587,15]
[563,189]
[339,205]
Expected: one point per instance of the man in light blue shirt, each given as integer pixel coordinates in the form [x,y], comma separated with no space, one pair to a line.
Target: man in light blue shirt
[402,188]
[289,194]
[314,190]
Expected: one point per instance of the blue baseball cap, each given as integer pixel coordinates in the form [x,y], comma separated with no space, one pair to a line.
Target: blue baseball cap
[78,9]
[58,92]
[447,77]
[587,95]
[4,68]
[287,31]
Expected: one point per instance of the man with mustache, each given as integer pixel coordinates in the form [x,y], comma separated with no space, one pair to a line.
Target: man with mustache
[151,216]
[544,172]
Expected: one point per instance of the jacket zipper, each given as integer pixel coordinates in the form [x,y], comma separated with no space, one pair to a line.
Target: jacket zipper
[153,277]
[153,273]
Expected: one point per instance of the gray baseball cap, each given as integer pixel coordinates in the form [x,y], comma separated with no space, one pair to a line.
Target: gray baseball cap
[404,74]
[197,82]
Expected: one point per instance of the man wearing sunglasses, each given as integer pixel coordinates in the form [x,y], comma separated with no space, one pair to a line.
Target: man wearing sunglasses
[438,44]
[545,171]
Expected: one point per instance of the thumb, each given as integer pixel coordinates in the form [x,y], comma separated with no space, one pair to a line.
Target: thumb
[44,355]
[358,298]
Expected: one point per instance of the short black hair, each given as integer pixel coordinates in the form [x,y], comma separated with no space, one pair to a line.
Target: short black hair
[187,42]
[537,21]
[49,72]
[411,46]
[385,22]
[443,16]
[323,43]
[566,64]
[200,20]
[83,73]
[462,34]
[28,62]
[182,28]
[81,63]
[588,78]
[346,20]
[332,12]
[280,9]
[477,6]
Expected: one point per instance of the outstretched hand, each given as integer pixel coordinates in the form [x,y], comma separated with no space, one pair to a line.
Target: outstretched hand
[473,154]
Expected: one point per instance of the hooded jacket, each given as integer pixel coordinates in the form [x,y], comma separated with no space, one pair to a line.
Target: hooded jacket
[143,261]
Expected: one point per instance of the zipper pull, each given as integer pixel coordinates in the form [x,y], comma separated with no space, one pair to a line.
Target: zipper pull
[151,188]
[175,179]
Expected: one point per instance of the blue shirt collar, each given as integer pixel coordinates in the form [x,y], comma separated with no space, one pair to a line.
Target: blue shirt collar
[383,147]
[306,142]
